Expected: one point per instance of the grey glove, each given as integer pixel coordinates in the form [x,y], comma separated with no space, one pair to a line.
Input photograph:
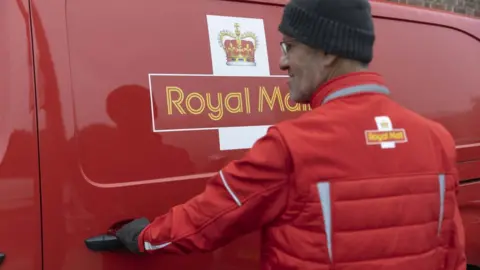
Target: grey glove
[129,233]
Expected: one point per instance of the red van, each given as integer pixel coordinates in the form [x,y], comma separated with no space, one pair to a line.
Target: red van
[111,110]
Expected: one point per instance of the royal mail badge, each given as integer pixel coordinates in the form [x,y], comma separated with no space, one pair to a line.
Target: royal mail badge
[385,135]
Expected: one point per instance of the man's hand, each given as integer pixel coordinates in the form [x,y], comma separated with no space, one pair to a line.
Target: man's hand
[129,233]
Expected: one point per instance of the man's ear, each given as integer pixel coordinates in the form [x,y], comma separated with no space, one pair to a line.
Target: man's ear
[329,60]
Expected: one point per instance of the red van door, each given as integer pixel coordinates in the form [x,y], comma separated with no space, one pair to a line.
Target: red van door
[20,226]
[143,101]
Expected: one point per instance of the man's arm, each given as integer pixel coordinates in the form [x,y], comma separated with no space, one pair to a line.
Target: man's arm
[242,197]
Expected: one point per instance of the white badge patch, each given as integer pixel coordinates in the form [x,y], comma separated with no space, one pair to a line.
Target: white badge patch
[385,134]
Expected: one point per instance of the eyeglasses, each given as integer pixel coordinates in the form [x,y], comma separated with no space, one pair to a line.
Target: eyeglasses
[285,47]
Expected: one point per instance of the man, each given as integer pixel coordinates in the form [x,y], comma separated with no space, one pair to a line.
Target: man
[357,183]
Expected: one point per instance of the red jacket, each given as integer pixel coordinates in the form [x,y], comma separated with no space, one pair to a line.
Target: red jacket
[357,183]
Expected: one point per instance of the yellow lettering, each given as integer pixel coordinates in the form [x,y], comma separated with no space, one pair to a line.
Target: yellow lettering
[192,110]
[170,101]
[306,107]
[239,107]
[295,108]
[276,96]
[217,104]
[215,109]
[374,137]
[397,135]
[386,136]
[247,100]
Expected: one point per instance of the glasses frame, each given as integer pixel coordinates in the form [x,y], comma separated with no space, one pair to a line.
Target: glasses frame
[285,47]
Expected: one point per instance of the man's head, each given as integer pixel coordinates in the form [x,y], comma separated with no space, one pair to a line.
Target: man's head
[323,39]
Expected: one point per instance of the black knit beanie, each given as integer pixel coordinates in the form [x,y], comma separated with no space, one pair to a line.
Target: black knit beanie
[339,27]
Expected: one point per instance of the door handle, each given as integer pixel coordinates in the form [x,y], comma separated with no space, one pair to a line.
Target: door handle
[107,242]
[104,242]
[2,257]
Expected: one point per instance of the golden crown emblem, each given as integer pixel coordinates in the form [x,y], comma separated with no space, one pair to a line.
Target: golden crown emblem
[239,47]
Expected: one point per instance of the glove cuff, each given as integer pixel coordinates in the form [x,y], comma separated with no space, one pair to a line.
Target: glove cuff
[141,241]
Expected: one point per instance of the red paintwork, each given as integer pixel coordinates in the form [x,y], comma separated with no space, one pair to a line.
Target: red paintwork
[101,163]
[20,225]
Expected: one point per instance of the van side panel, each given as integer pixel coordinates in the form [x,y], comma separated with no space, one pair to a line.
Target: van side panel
[131,123]
[103,158]
[20,225]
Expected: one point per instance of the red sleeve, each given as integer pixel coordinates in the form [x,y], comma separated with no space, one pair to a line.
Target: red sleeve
[242,197]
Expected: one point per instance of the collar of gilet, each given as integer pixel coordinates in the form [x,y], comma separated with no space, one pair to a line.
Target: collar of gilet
[349,84]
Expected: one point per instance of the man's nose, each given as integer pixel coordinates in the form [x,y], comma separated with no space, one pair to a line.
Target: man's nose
[283,62]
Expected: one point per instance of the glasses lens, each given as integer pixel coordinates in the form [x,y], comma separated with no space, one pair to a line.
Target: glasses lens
[284,47]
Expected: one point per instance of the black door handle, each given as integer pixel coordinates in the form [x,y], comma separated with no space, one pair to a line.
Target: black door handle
[105,242]
[2,257]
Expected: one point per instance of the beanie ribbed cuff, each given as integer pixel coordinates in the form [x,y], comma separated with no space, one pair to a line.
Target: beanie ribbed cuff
[330,36]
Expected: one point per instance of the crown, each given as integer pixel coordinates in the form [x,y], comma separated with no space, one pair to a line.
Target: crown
[239,47]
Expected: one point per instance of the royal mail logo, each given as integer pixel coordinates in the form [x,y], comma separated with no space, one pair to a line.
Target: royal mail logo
[385,135]
[239,47]
[379,137]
